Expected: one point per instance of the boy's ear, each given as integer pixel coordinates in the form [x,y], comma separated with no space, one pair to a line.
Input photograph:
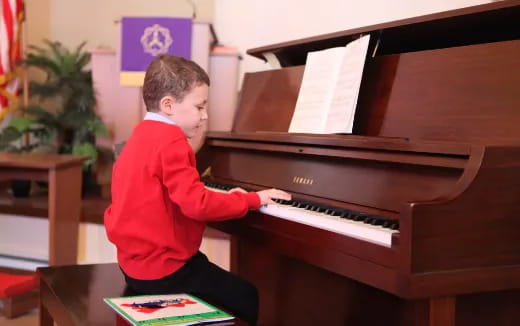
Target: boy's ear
[167,105]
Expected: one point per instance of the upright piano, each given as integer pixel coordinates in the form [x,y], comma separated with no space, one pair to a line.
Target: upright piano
[414,218]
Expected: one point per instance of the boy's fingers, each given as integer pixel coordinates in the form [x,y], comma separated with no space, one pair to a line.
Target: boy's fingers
[275,193]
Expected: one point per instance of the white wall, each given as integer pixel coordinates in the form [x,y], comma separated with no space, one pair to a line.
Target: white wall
[37,13]
[250,24]
[73,21]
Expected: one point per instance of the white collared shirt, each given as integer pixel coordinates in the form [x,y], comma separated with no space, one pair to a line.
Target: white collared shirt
[154,116]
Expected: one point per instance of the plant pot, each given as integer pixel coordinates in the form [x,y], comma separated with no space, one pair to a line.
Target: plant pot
[89,185]
[21,188]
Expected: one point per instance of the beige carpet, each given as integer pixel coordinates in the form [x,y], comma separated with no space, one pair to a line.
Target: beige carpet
[30,319]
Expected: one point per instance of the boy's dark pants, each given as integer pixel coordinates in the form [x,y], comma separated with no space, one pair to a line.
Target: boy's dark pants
[202,278]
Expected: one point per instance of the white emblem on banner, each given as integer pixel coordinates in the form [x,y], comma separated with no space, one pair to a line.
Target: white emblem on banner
[156,40]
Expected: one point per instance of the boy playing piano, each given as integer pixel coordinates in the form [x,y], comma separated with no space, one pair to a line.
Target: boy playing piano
[159,205]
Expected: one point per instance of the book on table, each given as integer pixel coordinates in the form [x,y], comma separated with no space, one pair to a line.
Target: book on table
[329,90]
[167,309]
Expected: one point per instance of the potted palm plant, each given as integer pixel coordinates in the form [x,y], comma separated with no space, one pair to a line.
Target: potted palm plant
[64,101]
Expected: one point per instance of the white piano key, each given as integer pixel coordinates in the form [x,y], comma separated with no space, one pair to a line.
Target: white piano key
[355,229]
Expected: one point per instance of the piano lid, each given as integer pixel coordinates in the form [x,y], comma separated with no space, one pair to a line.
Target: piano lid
[462,94]
[486,23]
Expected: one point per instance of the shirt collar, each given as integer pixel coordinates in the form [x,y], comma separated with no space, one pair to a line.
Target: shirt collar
[157,117]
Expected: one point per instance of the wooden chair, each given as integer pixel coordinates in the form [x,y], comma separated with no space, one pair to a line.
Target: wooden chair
[18,294]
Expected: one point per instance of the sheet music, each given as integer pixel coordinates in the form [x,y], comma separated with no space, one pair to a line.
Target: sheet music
[329,89]
[319,77]
[344,101]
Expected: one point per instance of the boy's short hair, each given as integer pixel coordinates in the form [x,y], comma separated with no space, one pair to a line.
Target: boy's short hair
[169,75]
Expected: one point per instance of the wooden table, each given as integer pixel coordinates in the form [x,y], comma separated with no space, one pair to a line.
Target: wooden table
[63,172]
[73,295]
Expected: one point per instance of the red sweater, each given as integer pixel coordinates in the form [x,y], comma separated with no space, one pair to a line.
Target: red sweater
[159,205]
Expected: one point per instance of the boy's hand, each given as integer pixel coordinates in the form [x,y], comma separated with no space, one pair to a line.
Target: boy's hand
[237,189]
[266,196]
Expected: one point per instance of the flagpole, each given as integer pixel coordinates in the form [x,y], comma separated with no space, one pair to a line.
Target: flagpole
[25,77]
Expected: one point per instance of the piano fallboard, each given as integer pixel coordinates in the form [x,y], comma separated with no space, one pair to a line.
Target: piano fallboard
[352,172]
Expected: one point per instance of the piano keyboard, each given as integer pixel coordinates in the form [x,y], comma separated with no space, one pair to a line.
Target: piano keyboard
[362,226]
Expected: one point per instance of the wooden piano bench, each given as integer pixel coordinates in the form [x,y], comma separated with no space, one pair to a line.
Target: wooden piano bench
[73,295]
[18,294]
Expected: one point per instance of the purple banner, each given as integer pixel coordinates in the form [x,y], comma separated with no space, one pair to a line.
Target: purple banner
[144,38]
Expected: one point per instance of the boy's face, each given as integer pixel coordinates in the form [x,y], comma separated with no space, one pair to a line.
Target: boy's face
[190,113]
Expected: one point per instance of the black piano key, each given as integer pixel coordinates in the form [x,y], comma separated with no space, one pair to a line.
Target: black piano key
[386,223]
[358,217]
[377,221]
[346,214]
[332,212]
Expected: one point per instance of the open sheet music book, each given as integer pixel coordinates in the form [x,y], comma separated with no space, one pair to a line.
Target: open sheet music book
[168,309]
[330,86]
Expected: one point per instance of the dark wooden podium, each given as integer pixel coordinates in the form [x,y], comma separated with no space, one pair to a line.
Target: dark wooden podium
[63,172]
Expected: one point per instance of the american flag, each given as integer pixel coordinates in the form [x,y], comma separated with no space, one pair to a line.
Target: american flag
[11,14]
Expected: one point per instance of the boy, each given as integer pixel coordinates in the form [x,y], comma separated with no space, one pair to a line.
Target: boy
[160,206]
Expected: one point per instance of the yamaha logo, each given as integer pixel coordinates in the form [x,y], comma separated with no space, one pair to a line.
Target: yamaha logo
[303,181]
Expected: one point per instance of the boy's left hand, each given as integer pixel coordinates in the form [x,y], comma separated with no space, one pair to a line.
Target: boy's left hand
[237,189]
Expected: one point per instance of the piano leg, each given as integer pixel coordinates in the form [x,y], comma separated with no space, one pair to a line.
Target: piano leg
[442,311]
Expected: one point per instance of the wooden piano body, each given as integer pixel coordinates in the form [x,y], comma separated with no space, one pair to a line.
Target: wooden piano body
[436,147]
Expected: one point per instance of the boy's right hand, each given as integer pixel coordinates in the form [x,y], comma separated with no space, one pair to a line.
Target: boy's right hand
[267,196]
